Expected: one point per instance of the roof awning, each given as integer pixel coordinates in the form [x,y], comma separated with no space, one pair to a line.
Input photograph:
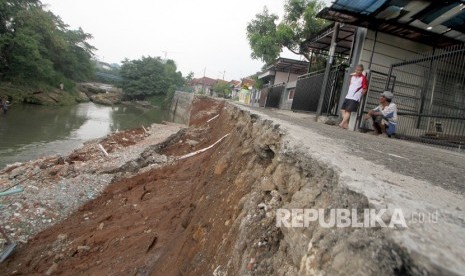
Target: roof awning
[289,65]
[322,41]
[437,23]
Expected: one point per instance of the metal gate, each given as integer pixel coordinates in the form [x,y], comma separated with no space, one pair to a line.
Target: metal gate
[274,95]
[263,95]
[430,96]
[333,91]
[377,85]
[308,91]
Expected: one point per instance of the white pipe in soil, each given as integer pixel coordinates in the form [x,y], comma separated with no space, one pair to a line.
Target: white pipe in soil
[202,150]
[213,118]
[103,150]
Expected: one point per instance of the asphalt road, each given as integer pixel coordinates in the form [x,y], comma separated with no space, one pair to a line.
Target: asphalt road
[440,167]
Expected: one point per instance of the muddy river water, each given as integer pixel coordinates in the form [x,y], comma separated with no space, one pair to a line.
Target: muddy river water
[28,131]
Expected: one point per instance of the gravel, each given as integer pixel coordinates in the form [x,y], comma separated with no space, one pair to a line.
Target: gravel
[56,186]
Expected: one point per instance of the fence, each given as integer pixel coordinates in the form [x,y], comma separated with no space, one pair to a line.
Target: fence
[274,95]
[308,91]
[263,95]
[333,90]
[430,96]
[377,85]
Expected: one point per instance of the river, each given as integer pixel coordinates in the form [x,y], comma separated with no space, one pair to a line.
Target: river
[29,131]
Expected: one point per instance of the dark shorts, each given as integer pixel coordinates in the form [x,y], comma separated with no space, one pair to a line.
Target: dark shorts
[350,105]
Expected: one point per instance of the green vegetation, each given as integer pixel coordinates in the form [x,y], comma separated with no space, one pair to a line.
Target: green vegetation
[223,89]
[267,38]
[36,46]
[189,77]
[148,77]
[259,83]
[38,51]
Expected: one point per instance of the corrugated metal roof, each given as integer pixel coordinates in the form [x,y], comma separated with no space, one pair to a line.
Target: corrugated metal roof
[289,65]
[360,6]
[322,41]
[439,23]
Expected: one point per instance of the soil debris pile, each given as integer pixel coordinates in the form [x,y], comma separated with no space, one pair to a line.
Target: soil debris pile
[54,187]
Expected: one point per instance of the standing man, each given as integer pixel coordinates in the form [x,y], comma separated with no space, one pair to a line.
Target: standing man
[384,115]
[357,88]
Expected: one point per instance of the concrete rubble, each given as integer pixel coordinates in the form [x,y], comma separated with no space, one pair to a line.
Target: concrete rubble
[56,186]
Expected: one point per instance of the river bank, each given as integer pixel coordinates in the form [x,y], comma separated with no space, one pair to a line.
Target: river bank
[50,96]
[46,95]
[56,186]
[28,132]
[211,208]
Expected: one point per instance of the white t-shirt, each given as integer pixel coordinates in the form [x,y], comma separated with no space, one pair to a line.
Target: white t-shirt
[357,84]
[389,112]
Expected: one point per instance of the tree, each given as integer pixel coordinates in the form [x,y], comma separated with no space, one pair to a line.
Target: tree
[75,62]
[36,46]
[267,38]
[222,88]
[149,76]
[259,83]
[263,38]
[189,77]
[8,13]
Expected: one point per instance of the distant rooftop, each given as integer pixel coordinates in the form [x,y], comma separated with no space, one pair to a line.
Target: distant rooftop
[204,81]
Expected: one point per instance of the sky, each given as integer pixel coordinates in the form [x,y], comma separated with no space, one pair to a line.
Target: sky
[200,35]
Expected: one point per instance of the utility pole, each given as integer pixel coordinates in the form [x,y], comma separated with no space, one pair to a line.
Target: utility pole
[203,85]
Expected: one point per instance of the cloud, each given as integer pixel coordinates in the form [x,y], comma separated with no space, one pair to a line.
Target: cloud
[197,34]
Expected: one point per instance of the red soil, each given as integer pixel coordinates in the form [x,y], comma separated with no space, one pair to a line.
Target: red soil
[175,220]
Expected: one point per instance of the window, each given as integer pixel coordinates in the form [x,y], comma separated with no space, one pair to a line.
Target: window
[290,94]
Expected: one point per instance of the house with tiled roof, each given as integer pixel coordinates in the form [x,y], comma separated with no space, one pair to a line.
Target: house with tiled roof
[204,84]
[248,83]
[235,85]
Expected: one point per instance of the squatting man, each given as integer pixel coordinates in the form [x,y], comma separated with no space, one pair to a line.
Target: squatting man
[384,116]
